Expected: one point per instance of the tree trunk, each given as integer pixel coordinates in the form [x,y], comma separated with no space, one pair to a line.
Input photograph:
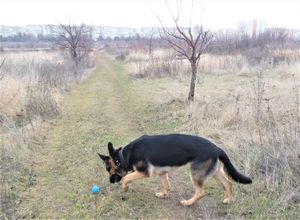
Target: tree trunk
[193,80]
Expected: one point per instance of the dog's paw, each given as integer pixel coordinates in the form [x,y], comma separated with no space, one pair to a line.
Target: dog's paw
[227,200]
[125,188]
[186,202]
[161,195]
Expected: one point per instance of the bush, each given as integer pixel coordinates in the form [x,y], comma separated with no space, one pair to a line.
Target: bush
[40,101]
[56,75]
[121,57]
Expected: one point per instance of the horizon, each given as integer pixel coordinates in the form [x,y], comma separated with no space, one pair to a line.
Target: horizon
[249,22]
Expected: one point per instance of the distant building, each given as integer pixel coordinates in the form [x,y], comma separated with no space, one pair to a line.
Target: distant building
[251,28]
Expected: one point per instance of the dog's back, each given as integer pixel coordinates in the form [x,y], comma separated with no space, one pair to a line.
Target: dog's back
[172,149]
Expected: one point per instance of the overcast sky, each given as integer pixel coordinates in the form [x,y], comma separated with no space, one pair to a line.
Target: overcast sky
[213,14]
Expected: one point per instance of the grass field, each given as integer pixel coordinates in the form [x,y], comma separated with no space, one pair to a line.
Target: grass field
[104,108]
[112,105]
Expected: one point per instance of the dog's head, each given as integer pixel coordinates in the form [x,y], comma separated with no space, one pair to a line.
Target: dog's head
[113,165]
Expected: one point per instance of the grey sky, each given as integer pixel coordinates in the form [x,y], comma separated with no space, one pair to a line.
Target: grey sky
[214,14]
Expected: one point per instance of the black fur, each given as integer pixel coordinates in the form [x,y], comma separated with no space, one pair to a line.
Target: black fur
[173,150]
[232,172]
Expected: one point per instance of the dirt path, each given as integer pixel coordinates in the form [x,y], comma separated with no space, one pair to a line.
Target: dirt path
[106,107]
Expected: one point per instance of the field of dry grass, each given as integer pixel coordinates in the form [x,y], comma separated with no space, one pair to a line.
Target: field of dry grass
[253,113]
[26,70]
[165,62]
[32,84]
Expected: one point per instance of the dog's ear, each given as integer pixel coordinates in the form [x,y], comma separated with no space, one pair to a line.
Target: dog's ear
[110,148]
[103,157]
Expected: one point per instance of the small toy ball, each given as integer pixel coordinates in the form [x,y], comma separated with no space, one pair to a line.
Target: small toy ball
[95,189]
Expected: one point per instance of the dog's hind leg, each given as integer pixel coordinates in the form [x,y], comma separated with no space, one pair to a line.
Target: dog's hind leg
[199,172]
[199,185]
[221,176]
[166,186]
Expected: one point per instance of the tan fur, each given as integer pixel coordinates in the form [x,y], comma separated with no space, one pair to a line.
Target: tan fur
[220,175]
[200,173]
[113,168]
[166,186]
[130,177]
[198,176]
[198,194]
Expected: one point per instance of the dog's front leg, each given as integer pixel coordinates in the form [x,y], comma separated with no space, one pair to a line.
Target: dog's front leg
[130,177]
[166,186]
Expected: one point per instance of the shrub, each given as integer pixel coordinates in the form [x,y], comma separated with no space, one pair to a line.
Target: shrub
[40,101]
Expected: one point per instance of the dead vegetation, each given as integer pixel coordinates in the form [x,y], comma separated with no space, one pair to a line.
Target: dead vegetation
[31,86]
[164,62]
[249,107]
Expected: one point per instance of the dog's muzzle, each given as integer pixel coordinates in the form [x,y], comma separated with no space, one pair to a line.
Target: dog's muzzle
[115,178]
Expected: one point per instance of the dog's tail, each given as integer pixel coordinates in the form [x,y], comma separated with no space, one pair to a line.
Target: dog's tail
[231,171]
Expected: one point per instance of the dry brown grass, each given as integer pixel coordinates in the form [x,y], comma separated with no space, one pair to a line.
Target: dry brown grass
[254,113]
[22,70]
[31,86]
[164,62]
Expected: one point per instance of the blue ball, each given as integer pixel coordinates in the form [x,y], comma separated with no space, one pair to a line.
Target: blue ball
[95,189]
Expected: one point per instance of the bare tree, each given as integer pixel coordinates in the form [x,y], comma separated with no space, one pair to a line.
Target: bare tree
[150,43]
[190,42]
[281,35]
[77,39]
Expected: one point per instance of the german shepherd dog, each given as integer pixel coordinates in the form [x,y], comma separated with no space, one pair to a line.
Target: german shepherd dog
[159,154]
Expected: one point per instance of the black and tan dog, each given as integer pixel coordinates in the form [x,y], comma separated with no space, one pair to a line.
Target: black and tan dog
[159,154]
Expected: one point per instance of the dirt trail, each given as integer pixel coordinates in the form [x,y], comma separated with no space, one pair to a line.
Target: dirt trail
[104,108]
